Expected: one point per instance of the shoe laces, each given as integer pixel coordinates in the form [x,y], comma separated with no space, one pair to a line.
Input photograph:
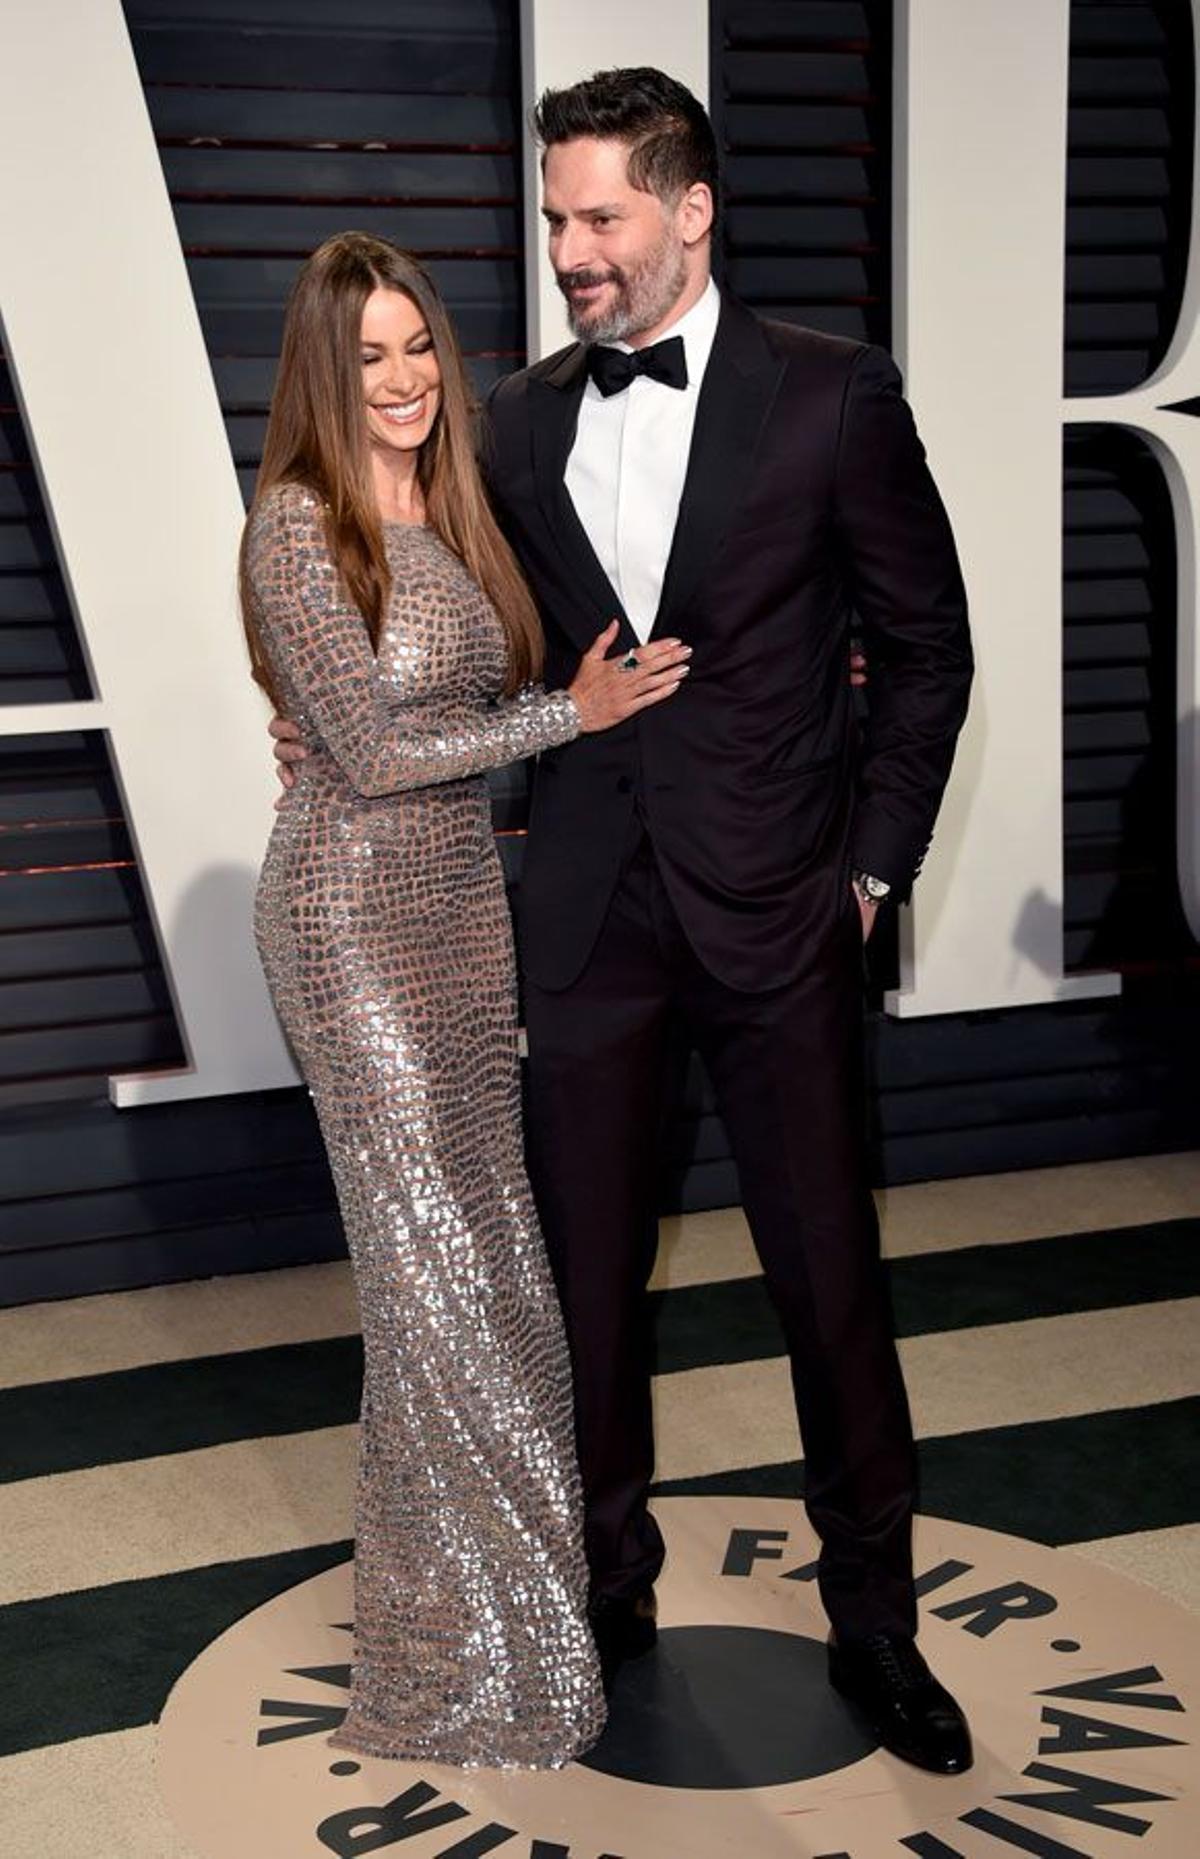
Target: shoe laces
[899,1661]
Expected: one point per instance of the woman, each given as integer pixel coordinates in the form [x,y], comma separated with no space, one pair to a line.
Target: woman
[386,615]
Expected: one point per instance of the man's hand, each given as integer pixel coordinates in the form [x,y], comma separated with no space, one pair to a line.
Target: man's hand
[858,667]
[288,751]
[867,910]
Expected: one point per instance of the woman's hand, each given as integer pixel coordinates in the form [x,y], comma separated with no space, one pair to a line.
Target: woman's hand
[605,693]
[288,751]
[288,748]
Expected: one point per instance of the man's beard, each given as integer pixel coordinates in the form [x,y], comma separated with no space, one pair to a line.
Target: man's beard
[641,299]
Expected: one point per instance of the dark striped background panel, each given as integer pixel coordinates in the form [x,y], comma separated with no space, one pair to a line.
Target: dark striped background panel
[281,122]
[1129,200]
[1123,907]
[801,103]
[40,657]
[1129,182]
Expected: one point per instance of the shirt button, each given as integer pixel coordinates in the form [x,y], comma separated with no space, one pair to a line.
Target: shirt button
[624,785]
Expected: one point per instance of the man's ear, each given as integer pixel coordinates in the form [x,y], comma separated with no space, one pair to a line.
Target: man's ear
[694,214]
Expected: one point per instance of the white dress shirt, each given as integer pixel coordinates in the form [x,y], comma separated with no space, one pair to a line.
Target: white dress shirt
[627,466]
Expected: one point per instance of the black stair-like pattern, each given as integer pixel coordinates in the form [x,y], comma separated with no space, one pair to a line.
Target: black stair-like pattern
[40,659]
[1129,195]
[1129,182]
[81,985]
[281,122]
[82,990]
[801,103]
[1123,908]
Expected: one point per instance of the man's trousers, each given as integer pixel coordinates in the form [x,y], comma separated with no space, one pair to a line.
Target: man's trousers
[786,1068]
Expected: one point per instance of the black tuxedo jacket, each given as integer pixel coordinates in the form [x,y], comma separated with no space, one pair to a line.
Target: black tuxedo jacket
[807,499]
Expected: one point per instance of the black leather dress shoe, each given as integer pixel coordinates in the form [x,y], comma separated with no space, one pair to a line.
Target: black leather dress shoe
[624,1627]
[912,1715]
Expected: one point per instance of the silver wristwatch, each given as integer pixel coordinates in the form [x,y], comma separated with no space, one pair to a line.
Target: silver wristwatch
[871,890]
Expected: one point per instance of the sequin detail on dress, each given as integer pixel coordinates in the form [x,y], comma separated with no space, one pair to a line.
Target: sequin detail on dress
[384,932]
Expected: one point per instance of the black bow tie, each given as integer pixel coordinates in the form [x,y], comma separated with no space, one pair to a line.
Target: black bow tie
[612,369]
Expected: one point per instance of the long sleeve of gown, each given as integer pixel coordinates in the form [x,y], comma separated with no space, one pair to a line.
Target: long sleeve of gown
[318,642]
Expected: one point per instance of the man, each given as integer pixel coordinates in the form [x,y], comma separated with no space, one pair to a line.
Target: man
[745,485]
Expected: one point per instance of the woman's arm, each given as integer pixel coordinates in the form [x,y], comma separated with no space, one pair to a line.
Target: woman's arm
[314,635]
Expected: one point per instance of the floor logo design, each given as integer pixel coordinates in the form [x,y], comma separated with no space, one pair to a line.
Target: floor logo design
[1083,1691]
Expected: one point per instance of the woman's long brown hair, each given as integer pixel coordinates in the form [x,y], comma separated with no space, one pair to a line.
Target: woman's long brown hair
[317,436]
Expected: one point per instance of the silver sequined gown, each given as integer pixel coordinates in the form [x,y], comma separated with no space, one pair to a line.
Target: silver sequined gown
[384,932]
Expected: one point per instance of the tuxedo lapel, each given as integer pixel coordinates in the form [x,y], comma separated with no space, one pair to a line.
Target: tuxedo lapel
[554,414]
[740,383]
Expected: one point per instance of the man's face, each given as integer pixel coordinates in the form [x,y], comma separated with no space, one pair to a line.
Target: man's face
[618,253]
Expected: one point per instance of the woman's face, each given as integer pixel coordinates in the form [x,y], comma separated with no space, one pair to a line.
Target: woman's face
[401,379]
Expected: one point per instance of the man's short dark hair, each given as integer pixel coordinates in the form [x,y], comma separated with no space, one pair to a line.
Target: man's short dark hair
[667,132]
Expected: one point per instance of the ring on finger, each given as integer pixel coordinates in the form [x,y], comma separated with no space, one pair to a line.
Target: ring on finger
[630,662]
